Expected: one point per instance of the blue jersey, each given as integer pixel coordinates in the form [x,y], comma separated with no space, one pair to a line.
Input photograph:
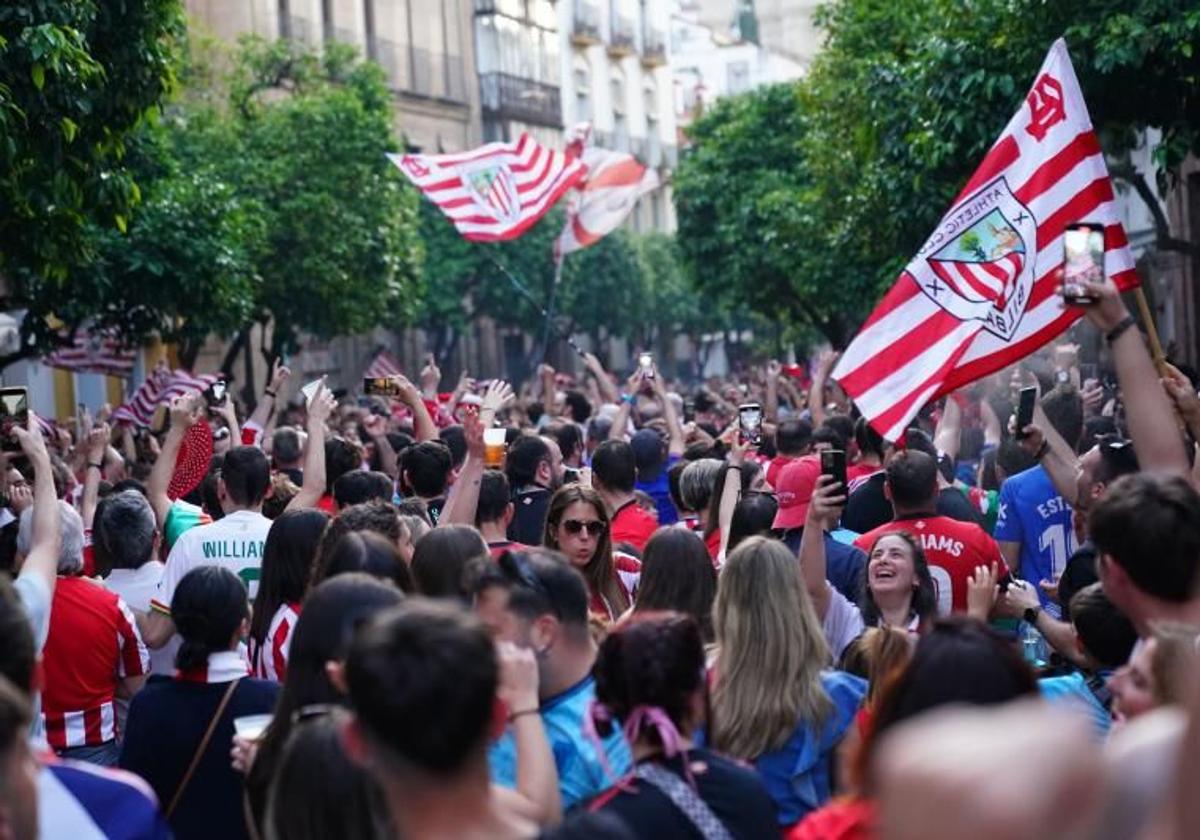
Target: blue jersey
[1033,514]
[581,772]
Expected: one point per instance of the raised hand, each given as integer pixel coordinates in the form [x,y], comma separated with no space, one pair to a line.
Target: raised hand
[431,375]
[499,395]
[982,591]
[473,432]
[97,443]
[828,499]
[518,688]
[279,375]
[321,407]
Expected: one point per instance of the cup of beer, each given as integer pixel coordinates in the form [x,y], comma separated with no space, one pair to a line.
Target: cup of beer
[494,447]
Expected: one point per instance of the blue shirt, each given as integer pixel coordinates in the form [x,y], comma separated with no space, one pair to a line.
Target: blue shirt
[1072,689]
[799,775]
[1033,514]
[844,564]
[660,490]
[581,774]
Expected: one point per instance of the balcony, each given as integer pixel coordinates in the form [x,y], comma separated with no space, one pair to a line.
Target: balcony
[654,48]
[621,41]
[585,27]
[507,97]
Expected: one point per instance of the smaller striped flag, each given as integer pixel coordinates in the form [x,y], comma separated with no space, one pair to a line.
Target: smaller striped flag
[382,364]
[160,387]
[94,351]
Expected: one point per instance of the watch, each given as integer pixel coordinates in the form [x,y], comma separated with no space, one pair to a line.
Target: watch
[1062,377]
[1031,615]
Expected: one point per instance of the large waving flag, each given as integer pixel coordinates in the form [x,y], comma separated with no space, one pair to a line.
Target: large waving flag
[496,191]
[981,292]
[160,387]
[614,183]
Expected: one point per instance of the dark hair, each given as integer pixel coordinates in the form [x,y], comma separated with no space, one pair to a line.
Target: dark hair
[678,574]
[1064,410]
[581,409]
[828,434]
[423,682]
[600,572]
[399,441]
[285,446]
[318,791]
[747,472]
[357,486]
[208,607]
[425,468]
[868,440]
[1150,526]
[367,551]
[1012,458]
[792,437]
[1117,458]
[539,582]
[988,478]
[912,479]
[1106,633]
[524,456]
[341,456]
[287,562]
[129,484]
[377,517]
[495,496]
[961,660]
[753,516]
[843,424]
[598,428]
[206,494]
[456,441]
[441,560]
[654,660]
[247,475]
[568,436]
[331,614]
[924,602]
[18,654]
[918,440]
[1095,428]
[673,474]
[615,466]
[123,532]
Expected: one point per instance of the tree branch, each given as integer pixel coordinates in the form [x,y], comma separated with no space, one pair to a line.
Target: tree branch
[1164,241]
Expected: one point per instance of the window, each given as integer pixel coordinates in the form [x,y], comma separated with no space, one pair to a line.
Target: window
[653,144]
[620,123]
[737,76]
[583,93]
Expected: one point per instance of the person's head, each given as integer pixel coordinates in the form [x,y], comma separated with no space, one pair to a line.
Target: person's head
[876,655]
[753,516]
[359,486]
[577,525]
[287,561]
[1157,673]
[870,442]
[413,529]
[1064,410]
[960,661]
[442,561]
[1104,633]
[912,482]
[896,568]
[750,479]
[614,466]
[211,614]
[495,500]
[283,490]
[655,660]
[529,462]
[696,484]
[286,448]
[772,650]
[244,480]
[827,437]
[793,438]
[843,424]
[425,469]
[378,517]
[569,437]
[794,488]
[18,769]
[597,432]
[1011,458]
[70,553]
[341,456]
[1101,465]
[678,575]
[124,533]
[1146,529]
[456,441]
[674,473]
[422,681]
[371,553]
[649,453]
[577,408]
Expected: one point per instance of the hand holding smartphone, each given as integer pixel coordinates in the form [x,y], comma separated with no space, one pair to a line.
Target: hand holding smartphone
[14,411]
[833,463]
[1083,261]
[1025,406]
[646,364]
[750,422]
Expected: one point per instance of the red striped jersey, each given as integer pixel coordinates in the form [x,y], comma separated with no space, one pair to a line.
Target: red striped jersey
[269,660]
[93,643]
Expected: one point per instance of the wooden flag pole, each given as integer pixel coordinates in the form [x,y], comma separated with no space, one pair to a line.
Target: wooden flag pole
[1160,360]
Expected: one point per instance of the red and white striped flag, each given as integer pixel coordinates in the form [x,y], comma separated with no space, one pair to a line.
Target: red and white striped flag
[981,293]
[160,387]
[185,382]
[94,351]
[496,191]
[614,183]
[383,364]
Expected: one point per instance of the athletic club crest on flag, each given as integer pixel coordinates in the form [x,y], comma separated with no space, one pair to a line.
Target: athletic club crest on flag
[976,265]
[494,191]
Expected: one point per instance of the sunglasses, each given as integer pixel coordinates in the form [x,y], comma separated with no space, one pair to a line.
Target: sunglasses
[594,528]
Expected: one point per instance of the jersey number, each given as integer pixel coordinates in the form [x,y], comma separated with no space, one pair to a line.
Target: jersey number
[1060,543]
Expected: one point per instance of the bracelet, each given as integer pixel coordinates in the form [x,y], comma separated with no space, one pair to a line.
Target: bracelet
[1119,330]
[522,713]
[270,393]
[629,399]
[95,466]
[1042,450]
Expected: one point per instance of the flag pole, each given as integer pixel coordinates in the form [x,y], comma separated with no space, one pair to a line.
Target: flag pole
[559,259]
[1160,359]
[525,293]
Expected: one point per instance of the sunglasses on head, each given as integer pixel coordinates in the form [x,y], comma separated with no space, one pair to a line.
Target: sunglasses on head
[594,528]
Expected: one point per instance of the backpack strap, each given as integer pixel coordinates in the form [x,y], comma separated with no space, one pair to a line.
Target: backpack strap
[685,799]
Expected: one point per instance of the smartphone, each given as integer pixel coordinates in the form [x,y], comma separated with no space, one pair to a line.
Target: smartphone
[1025,410]
[216,393]
[380,386]
[689,410]
[750,420]
[646,363]
[14,411]
[1083,260]
[833,462]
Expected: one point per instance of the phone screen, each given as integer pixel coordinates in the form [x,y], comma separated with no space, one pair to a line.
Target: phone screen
[833,463]
[646,363]
[14,411]
[1083,260]
[380,386]
[750,420]
[215,393]
[1025,410]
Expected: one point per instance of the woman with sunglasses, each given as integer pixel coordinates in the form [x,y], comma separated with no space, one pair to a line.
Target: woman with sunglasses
[577,524]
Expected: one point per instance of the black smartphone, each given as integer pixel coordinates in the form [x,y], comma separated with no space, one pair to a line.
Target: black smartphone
[833,463]
[1025,410]
[750,420]
[216,393]
[689,410]
[380,386]
[14,411]
[1083,261]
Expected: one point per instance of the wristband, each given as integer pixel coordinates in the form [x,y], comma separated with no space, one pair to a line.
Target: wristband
[270,393]
[1119,330]
[95,466]
[522,713]
[629,399]
[1042,450]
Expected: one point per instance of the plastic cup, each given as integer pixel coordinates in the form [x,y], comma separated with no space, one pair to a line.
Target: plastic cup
[251,727]
[494,447]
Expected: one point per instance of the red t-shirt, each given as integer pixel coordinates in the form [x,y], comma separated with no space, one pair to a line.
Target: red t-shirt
[775,466]
[861,470]
[495,549]
[93,643]
[713,544]
[631,524]
[953,549]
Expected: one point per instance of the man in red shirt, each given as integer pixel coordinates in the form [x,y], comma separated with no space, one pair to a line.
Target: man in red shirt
[952,547]
[793,439]
[92,653]
[614,473]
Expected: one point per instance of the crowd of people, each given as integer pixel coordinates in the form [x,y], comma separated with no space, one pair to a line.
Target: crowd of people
[638,617]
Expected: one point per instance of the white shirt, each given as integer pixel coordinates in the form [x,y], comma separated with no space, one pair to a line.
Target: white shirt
[235,542]
[137,588]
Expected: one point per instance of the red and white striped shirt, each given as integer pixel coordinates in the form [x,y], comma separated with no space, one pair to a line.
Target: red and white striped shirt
[93,644]
[270,661]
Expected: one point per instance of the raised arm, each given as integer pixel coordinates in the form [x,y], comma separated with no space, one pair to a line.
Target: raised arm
[732,488]
[498,396]
[537,776]
[229,413]
[827,501]
[621,418]
[185,413]
[97,444]
[992,430]
[376,429]
[431,377]
[546,378]
[266,406]
[423,426]
[816,393]
[948,434]
[464,495]
[771,409]
[42,560]
[675,444]
[319,409]
[604,383]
